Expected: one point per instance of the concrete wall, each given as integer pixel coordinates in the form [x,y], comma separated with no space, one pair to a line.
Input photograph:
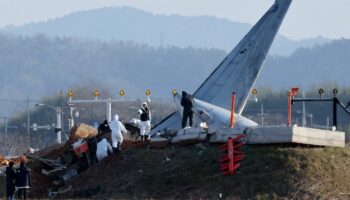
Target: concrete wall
[318,137]
[270,135]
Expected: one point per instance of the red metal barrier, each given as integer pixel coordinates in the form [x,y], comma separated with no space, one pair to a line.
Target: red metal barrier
[232,156]
[291,94]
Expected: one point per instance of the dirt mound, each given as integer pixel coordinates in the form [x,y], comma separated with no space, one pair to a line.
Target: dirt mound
[267,172]
[52,151]
[188,172]
[41,183]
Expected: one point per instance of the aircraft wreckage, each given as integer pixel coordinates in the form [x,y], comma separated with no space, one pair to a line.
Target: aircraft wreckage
[238,73]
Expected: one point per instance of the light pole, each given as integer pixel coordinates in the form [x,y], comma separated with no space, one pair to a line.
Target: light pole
[58,127]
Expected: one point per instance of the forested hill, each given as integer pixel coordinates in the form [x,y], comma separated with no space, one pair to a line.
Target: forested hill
[129,24]
[308,66]
[39,66]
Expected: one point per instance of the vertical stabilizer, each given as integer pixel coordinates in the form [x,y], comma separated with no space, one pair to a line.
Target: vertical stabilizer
[240,69]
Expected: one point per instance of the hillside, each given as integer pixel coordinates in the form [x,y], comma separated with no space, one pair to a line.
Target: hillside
[268,172]
[40,66]
[129,24]
[309,66]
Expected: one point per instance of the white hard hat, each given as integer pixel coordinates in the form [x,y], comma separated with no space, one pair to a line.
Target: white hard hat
[144,103]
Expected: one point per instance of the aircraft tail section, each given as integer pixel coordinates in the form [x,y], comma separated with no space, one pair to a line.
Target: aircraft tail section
[240,69]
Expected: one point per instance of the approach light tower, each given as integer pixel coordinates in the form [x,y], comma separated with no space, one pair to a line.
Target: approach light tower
[107,101]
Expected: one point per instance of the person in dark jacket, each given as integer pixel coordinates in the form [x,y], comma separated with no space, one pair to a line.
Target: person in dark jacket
[104,127]
[187,102]
[10,181]
[145,117]
[23,179]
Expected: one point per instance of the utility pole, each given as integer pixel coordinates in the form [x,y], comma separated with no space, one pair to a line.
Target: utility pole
[109,110]
[58,127]
[304,112]
[59,124]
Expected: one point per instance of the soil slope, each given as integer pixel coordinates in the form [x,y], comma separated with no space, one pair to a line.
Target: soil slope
[267,172]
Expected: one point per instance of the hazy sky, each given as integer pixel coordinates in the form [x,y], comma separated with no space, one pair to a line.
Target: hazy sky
[306,18]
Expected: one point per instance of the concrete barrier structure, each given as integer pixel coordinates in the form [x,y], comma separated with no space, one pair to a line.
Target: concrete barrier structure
[283,134]
[318,137]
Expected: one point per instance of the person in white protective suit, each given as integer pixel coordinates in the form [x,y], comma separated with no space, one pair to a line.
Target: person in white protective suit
[145,125]
[118,129]
[103,149]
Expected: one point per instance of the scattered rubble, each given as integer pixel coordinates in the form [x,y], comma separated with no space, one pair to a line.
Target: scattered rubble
[5,161]
[56,166]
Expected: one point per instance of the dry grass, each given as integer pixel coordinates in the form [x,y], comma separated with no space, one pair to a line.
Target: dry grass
[268,172]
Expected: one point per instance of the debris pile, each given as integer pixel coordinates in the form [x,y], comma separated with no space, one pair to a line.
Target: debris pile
[5,161]
[56,166]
